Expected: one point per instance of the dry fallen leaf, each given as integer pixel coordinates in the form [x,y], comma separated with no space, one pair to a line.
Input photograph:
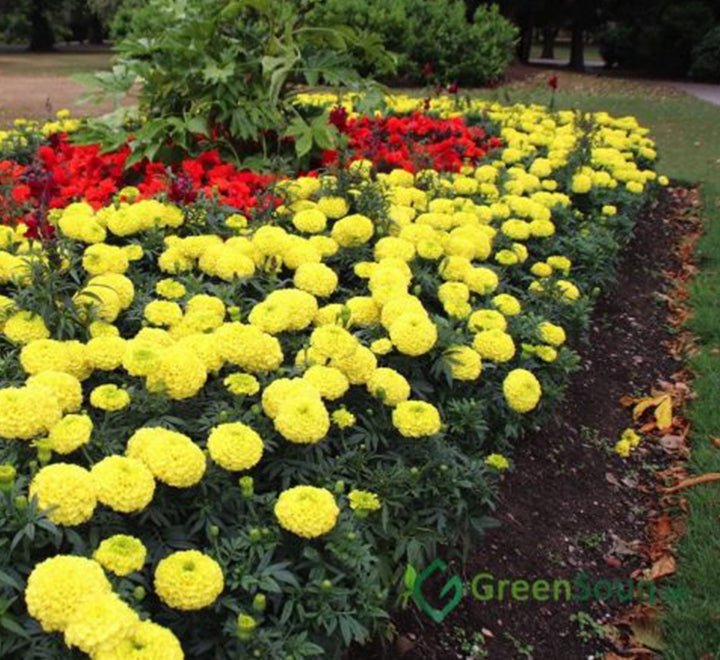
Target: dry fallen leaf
[662,567]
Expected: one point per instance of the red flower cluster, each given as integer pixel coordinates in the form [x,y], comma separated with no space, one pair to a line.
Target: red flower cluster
[414,142]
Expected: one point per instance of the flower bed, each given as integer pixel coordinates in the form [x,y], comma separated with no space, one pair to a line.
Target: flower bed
[252,416]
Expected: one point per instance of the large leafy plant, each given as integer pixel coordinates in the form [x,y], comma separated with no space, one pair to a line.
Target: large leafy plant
[224,73]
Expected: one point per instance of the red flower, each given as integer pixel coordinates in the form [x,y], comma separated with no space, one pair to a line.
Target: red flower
[428,70]
[552,82]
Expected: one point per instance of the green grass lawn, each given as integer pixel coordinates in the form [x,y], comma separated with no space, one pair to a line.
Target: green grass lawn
[687,131]
[61,63]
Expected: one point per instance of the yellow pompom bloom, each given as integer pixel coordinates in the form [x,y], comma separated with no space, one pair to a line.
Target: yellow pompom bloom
[333,341]
[497,461]
[302,420]
[235,446]
[343,418]
[310,221]
[522,390]
[102,329]
[66,492]
[24,327]
[147,641]
[363,500]
[465,363]
[71,432]
[551,334]
[333,207]
[507,304]
[389,386]
[123,484]
[180,374]
[329,381]
[570,293]
[353,230]
[109,398]
[307,511]
[487,319]
[363,311]
[241,384]
[65,387]
[26,412]
[45,355]
[172,457]
[413,334]
[318,279]
[494,345]
[171,289]
[121,554]
[416,419]
[58,586]
[481,280]
[106,352]
[561,263]
[381,346]
[358,367]
[101,621]
[581,183]
[163,312]
[188,580]
[283,389]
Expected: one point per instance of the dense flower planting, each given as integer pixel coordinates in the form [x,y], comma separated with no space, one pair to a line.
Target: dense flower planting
[225,427]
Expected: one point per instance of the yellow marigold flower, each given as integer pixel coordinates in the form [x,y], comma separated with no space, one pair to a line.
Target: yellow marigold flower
[109,398]
[663,180]
[391,247]
[172,457]
[487,319]
[302,420]
[546,353]
[381,346]
[329,381]
[58,586]
[236,221]
[102,329]
[353,230]
[26,412]
[318,279]
[581,183]
[66,492]
[481,280]
[394,308]
[188,580]
[570,292]
[561,263]
[235,446]
[24,327]
[101,258]
[465,363]
[362,501]
[106,352]
[333,341]
[541,269]
[71,432]
[147,641]
[163,312]
[283,389]
[497,461]
[343,418]
[522,390]
[506,257]
[118,284]
[65,387]
[551,334]
[413,334]
[358,367]
[507,304]
[389,386]
[249,348]
[333,207]
[100,622]
[416,419]
[494,345]
[310,221]
[363,311]
[123,484]
[180,374]
[241,384]
[171,289]
[609,210]
[307,511]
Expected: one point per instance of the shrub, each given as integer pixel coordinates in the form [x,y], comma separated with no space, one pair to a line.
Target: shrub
[706,57]
[433,33]
[617,44]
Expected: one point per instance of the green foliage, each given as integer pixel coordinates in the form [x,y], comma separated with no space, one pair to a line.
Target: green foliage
[434,32]
[706,56]
[225,73]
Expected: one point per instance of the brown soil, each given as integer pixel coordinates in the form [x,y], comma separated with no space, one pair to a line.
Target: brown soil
[570,504]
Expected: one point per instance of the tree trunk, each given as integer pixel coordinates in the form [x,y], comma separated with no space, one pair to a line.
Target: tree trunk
[577,46]
[42,37]
[548,43]
[525,44]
